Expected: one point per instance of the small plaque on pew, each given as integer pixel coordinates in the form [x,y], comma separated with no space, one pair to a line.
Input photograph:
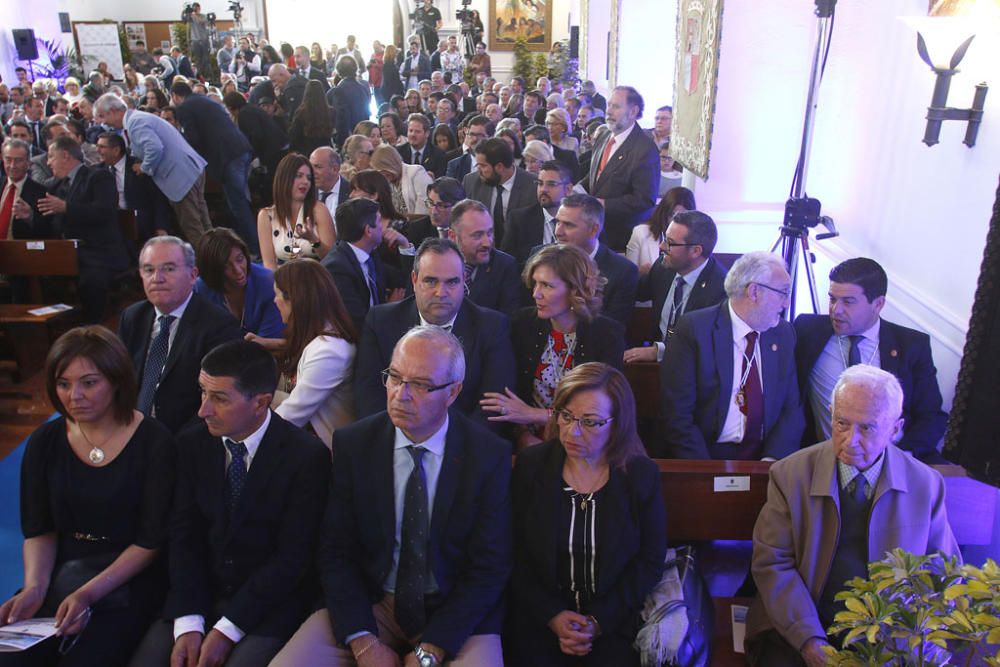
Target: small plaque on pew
[50,310]
[35,245]
[739,626]
[740,483]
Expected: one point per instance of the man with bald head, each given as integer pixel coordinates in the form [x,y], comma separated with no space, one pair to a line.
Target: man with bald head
[833,507]
[288,88]
[331,188]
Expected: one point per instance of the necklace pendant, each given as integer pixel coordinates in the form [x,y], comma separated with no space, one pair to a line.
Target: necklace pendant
[583,503]
[741,398]
[96,456]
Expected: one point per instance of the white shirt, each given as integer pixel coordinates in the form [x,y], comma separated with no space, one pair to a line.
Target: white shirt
[17,195]
[690,280]
[735,422]
[196,622]
[362,259]
[619,140]
[120,181]
[449,325]
[549,228]
[831,363]
[178,313]
[331,201]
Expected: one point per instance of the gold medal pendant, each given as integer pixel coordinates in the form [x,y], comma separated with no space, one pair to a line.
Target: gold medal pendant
[96,456]
[741,397]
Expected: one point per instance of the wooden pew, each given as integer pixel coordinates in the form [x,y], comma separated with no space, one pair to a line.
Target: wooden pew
[709,501]
[30,336]
[34,259]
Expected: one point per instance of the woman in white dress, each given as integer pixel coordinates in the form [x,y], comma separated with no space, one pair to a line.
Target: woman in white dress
[643,248]
[298,225]
[318,359]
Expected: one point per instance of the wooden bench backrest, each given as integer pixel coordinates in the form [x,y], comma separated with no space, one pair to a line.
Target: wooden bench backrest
[39,258]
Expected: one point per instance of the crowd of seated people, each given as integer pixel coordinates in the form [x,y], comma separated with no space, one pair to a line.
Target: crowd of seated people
[420,311]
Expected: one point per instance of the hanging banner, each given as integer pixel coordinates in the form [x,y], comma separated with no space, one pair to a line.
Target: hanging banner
[99,43]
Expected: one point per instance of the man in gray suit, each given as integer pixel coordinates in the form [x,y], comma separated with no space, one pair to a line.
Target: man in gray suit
[495,173]
[625,169]
[163,154]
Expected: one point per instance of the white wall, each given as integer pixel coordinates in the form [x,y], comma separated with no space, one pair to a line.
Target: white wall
[40,15]
[648,31]
[160,10]
[922,212]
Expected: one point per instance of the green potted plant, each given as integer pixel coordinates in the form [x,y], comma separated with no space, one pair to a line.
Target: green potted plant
[916,611]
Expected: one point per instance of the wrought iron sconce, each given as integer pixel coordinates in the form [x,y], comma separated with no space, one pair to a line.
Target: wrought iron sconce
[938,111]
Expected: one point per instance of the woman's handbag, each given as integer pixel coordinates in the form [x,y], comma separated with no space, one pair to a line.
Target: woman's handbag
[678,617]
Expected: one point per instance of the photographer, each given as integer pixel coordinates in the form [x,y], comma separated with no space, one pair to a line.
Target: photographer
[426,22]
[197,36]
[245,65]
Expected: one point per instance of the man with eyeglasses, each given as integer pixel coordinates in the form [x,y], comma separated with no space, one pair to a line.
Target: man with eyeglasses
[491,276]
[438,299]
[168,334]
[416,543]
[474,134]
[687,278]
[442,195]
[535,225]
[728,387]
[855,333]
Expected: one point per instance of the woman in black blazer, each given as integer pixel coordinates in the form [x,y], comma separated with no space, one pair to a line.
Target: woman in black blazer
[589,529]
[562,330]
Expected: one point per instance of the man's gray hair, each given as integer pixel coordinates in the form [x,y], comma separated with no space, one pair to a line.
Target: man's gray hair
[189,258]
[109,102]
[441,341]
[17,143]
[879,383]
[753,267]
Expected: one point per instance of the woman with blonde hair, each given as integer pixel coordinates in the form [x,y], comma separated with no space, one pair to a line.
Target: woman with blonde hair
[535,154]
[358,150]
[369,129]
[318,358]
[562,330]
[298,225]
[558,124]
[408,181]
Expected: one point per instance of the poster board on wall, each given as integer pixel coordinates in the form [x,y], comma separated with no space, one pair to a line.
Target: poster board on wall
[699,29]
[99,42]
[135,32]
[510,19]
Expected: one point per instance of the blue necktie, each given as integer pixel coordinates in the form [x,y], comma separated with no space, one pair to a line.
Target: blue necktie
[155,360]
[411,576]
[854,354]
[860,486]
[372,280]
[236,475]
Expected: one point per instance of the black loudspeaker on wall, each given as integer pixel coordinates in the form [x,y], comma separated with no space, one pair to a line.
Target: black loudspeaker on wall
[574,41]
[24,42]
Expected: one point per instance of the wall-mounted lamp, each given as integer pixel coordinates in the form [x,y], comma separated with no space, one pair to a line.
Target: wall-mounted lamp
[938,111]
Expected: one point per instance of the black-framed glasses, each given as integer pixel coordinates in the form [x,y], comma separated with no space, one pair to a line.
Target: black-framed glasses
[392,379]
[783,292]
[586,423]
[442,205]
[671,245]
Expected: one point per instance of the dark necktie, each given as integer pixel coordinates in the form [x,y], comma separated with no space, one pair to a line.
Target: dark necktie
[753,397]
[469,270]
[236,474]
[675,309]
[498,209]
[416,157]
[372,280]
[854,355]
[411,576]
[323,196]
[37,132]
[155,360]
[860,486]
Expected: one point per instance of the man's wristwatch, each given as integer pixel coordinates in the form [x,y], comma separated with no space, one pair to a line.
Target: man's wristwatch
[425,658]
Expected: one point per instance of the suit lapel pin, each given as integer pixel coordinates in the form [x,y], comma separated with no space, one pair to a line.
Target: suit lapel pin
[702,285]
[893,353]
[774,347]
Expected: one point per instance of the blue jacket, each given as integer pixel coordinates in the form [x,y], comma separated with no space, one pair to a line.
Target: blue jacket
[164,153]
[260,315]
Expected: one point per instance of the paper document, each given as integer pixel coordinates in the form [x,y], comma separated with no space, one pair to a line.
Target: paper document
[25,634]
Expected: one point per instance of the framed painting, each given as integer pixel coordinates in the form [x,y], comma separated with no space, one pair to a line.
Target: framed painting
[699,27]
[511,19]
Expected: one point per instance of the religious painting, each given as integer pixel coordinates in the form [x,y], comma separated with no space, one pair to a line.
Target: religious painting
[699,25]
[513,19]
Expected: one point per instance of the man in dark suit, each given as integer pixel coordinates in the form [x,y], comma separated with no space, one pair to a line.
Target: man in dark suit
[442,195]
[137,193]
[528,228]
[266,135]
[625,169]
[596,99]
[419,149]
[727,382]
[211,132]
[19,195]
[495,174]
[169,333]
[84,206]
[331,188]
[19,129]
[439,299]
[854,333]
[350,99]
[362,278]
[416,66]
[688,278]
[533,110]
[40,172]
[475,133]
[491,276]
[288,89]
[305,69]
[416,544]
[250,494]
[579,222]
